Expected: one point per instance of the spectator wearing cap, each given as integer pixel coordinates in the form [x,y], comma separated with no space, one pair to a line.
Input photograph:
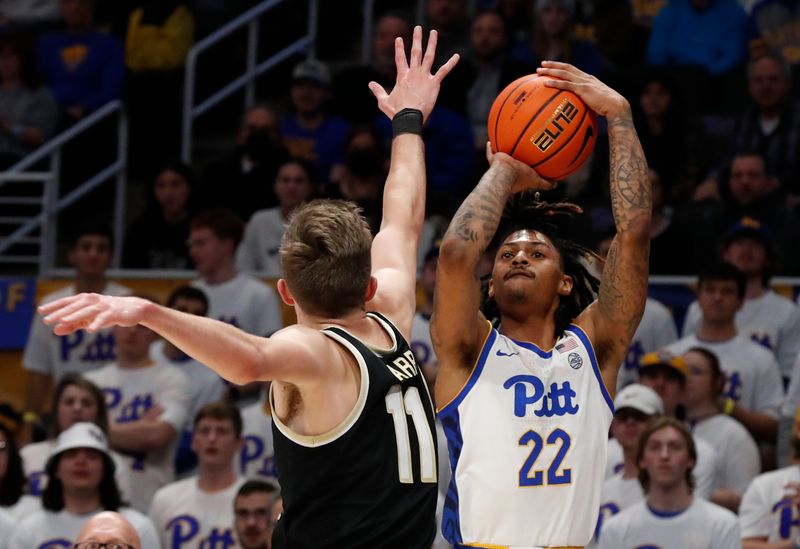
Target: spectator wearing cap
[309,131]
[81,485]
[665,374]
[766,317]
[634,406]
[754,391]
[738,460]
[108,528]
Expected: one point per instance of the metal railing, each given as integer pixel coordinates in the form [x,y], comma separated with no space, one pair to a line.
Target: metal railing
[252,71]
[51,204]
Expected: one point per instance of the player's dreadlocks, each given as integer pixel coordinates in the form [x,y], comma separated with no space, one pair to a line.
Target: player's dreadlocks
[525,211]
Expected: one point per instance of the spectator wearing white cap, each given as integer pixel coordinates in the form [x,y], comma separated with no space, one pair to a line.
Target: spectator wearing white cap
[310,132]
[738,459]
[634,406]
[666,375]
[81,484]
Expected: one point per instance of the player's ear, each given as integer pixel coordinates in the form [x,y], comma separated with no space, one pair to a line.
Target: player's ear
[372,289]
[283,291]
[565,288]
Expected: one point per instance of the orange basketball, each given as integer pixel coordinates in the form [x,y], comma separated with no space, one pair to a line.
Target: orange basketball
[549,129]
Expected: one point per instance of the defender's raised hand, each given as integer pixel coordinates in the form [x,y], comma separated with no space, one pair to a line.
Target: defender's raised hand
[600,98]
[92,312]
[416,87]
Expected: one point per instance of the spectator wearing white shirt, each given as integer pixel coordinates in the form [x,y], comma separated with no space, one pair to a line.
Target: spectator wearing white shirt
[770,507]
[670,517]
[738,458]
[754,389]
[147,405]
[233,297]
[258,251]
[81,484]
[198,511]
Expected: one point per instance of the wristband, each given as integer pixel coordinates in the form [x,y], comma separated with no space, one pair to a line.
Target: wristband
[407,121]
[30,417]
[727,409]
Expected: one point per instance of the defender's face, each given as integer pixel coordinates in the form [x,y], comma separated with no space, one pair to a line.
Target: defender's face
[526,261]
[666,457]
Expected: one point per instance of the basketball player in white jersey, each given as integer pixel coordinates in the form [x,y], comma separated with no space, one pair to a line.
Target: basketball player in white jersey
[671,517]
[527,407]
[197,511]
[634,406]
[346,390]
[770,511]
[766,317]
[48,356]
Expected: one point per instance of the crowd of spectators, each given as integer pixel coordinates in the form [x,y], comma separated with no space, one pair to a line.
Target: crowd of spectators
[712,87]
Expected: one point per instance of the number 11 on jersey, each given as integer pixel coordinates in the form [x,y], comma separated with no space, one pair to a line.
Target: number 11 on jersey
[400,405]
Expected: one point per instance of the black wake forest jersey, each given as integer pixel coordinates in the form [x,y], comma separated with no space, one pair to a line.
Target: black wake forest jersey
[371,481]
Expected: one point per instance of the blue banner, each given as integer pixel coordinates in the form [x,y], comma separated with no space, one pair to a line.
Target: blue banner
[17,298]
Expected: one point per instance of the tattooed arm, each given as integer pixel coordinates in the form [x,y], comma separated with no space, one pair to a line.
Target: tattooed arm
[457,327]
[614,317]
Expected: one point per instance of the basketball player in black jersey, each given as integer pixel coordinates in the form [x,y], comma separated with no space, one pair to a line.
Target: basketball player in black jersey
[353,422]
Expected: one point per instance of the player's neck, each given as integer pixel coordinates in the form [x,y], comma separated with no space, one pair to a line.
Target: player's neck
[215,478]
[755,288]
[353,320]
[536,330]
[80,502]
[90,284]
[716,332]
[672,499]
[224,273]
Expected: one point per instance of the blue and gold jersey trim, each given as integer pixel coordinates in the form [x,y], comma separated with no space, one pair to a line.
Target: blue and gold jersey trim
[578,331]
[488,342]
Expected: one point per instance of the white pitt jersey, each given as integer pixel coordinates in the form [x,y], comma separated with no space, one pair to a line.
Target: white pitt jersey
[766,510]
[770,320]
[257,456]
[656,330]
[702,525]
[245,302]
[186,517]
[57,530]
[527,437]
[753,376]
[80,352]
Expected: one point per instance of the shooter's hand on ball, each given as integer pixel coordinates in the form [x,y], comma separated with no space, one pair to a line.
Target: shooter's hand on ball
[526,177]
[92,312]
[600,98]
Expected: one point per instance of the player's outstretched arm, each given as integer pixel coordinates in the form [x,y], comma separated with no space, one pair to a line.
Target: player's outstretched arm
[394,250]
[613,319]
[235,355]
[457,327]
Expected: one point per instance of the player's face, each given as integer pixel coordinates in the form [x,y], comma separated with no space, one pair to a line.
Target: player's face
[488,36]
[768,83]
[292,186]
[91,255]
[76,405]
[699,382]
[666,458]
[719,300]
[628,424]
[665,381]
[527,267]
[80,468]
[215,442]
[172,193]
[747,254]
[207,250]
[254,523]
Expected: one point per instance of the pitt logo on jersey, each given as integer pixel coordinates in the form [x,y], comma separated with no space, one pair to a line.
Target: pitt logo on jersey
[404,367]
[529,390]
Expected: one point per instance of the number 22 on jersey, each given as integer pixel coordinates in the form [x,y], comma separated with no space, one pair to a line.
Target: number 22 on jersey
[399,405]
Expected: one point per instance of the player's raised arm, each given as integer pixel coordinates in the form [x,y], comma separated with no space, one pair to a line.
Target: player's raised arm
[394,249]
[623,288]
[234,354]
[457,326]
